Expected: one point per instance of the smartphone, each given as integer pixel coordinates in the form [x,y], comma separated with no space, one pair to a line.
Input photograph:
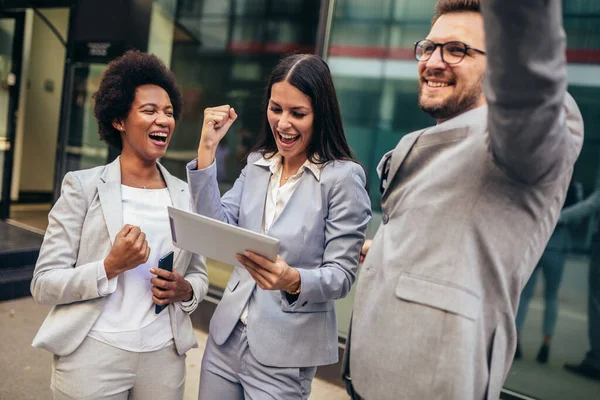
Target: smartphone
[165,263]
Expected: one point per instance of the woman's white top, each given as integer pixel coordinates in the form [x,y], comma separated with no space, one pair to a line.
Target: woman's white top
[128,320]
[279,195]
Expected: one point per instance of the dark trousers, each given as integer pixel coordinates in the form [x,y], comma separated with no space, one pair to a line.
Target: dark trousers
[350,389]
[593,356]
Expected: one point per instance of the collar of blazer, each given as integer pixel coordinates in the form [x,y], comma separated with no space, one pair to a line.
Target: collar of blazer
[274,163]
[109,192]
[473,120]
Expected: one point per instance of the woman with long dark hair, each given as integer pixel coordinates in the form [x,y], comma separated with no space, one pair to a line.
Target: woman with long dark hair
[276,321]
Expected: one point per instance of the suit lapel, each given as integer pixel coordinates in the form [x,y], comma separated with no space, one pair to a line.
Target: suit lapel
[109,192]
[179,198]
[298,200]
[473,119]
[255,208]
[399,155]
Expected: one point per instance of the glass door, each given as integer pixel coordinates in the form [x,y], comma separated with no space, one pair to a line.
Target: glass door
[11,44]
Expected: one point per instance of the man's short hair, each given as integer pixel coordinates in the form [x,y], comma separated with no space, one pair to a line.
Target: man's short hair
[447,6]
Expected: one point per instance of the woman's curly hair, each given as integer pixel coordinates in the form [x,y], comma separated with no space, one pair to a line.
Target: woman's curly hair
[117,90]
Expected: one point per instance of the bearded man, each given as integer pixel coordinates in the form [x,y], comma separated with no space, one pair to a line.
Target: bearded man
[468,205]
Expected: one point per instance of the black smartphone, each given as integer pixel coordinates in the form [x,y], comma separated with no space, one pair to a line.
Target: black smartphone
[165,263]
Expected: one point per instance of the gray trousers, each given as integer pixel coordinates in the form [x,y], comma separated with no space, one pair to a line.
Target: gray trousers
[99,371]
[230,372]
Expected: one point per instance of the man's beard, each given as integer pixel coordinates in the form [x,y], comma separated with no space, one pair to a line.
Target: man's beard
[454,105]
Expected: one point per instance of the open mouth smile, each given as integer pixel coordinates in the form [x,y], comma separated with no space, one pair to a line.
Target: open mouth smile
[437,84]
[159,138]
[287,138]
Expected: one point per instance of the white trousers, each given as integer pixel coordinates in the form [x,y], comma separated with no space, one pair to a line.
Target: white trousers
[99,371]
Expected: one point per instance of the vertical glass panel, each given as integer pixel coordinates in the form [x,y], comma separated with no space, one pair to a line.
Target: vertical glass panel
[250,7]
[162,29]
[7,28]
[205,23]
[84,147]
[414,11]
[362,9]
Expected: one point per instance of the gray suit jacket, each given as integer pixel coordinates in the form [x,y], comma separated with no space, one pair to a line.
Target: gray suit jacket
[321,231]
[468,211]
[82,226]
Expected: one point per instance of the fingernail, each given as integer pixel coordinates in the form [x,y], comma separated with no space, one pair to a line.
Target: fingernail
[152,270]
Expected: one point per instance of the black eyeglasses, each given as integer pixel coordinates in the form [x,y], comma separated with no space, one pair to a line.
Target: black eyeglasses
[451,52]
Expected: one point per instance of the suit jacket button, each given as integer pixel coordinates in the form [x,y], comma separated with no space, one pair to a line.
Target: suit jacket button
[385,218]
[305,303]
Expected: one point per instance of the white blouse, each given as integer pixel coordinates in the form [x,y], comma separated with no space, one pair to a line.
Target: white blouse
[128,320]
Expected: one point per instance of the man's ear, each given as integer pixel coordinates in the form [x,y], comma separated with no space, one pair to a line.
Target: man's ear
[118,125]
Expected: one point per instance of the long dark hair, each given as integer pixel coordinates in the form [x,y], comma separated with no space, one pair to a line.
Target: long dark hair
[310,74]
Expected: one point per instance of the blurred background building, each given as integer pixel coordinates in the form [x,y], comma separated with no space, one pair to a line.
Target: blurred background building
[53,53]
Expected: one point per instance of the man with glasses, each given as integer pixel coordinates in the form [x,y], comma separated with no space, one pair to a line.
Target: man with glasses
[468,205]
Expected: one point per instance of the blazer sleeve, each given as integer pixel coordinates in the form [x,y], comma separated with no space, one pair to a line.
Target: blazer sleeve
[56,280]
[206,197]
[531,136]
[197,276]
[349,214]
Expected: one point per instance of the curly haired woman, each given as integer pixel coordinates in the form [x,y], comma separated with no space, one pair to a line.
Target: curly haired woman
[106,233]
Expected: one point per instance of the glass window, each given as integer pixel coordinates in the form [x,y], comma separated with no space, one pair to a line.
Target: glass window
[84,147]
[7,28]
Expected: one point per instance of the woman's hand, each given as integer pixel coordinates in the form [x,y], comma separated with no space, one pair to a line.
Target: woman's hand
[365,249]
[129,250]
[269,275]
[217,121]
[169,287]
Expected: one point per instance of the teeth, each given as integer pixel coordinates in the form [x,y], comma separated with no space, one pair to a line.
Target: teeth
[436,84]
[288,137]
[161,136]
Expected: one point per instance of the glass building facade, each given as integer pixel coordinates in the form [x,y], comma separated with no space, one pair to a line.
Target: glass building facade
[222,52]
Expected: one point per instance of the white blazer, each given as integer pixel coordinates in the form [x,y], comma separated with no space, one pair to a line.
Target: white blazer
[82,227]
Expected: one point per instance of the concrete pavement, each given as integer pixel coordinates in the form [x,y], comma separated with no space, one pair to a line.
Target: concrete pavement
[26,371]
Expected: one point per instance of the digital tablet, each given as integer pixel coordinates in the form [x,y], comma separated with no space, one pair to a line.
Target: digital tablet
[217,240]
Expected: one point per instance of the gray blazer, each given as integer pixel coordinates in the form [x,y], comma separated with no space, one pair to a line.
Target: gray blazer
[467,213]
[321,231]
[82,226]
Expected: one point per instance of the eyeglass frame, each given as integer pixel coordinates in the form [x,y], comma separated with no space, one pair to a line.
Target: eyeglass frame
[441,46]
